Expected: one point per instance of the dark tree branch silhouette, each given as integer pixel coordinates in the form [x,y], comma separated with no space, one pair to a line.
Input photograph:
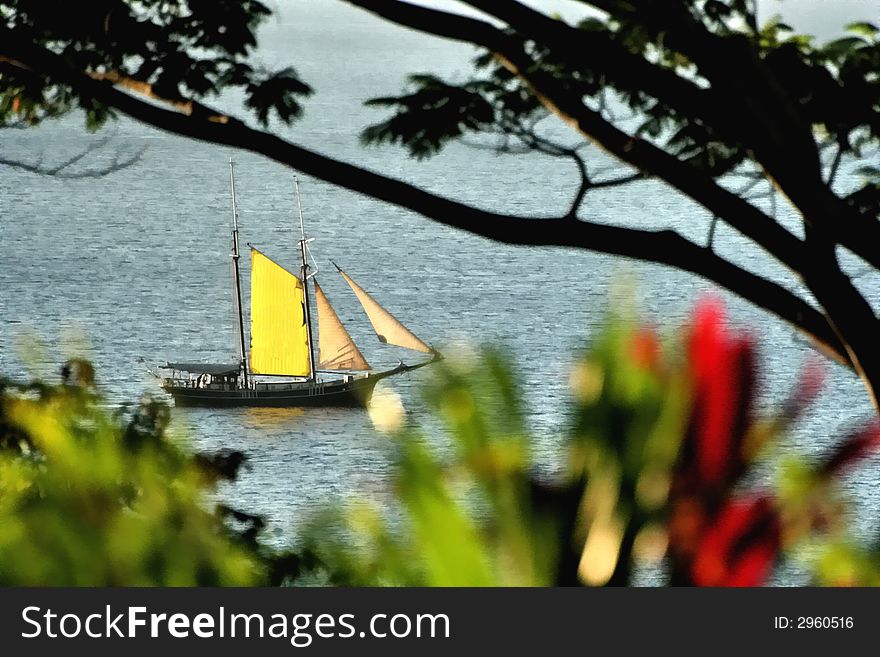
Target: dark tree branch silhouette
[664,247]
[66,169]
[744,102]
[687,92]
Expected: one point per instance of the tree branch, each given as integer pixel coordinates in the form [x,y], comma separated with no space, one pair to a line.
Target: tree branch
[583,187]
[641,154]
[62,169]
[835,165]
[783,143]
[786,148]
[662,247]
[616,182]
[581,47]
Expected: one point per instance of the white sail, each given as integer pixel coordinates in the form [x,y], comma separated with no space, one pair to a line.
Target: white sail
[387,327]
[337,351]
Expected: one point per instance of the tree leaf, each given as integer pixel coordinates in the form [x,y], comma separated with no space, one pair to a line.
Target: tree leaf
[864,29]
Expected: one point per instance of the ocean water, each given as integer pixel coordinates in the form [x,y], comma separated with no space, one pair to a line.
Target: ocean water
[135,265]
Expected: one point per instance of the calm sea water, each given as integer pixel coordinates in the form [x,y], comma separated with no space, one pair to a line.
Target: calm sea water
[136,265]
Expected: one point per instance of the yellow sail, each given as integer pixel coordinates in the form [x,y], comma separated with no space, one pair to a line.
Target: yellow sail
[337,350]
[279,335]
[387,327]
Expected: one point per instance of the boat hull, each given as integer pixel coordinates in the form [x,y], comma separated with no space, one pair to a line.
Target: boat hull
[348,394]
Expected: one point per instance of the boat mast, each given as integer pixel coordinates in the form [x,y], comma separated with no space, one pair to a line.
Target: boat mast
[305,281]
[237,272]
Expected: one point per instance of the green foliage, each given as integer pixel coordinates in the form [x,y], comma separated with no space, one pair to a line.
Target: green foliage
[90,498]
[276,92]
[626,434]
[184,49]
[433,115]
[866,30]
[658,449]
[845,564]
[444,543]
[658,445]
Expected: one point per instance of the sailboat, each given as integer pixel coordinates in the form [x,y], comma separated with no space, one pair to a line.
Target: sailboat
[281,366]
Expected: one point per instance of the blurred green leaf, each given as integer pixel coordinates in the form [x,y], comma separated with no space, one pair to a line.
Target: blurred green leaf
[93,499]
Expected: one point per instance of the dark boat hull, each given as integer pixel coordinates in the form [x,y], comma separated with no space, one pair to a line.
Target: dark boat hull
[348,394]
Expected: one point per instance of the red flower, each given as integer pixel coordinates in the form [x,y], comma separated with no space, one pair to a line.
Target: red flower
[716,539]
[741,545]
[722,367]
